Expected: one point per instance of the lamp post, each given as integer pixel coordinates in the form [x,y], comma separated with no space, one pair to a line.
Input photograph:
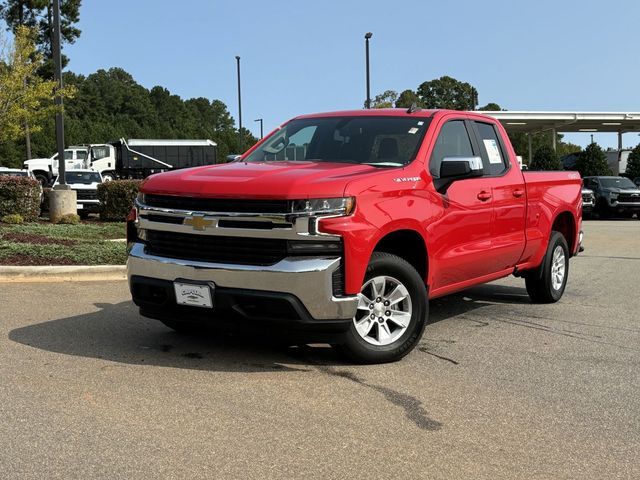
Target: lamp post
[367,36]
[239,108]
[62,200]
[261,132]
[57,75]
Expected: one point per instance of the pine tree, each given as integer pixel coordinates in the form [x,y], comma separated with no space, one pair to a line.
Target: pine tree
[633,163]
[545,158]
[592,161]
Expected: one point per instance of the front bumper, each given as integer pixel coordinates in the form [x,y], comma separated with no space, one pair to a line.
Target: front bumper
[305,282]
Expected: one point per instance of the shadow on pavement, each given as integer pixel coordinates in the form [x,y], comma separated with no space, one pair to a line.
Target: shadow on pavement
[116,332]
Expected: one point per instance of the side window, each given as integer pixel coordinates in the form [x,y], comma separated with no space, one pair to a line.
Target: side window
[68,154]
[82,154]
[495,158]
[453,141]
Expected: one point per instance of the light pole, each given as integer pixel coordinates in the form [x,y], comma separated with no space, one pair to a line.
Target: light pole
[62,200]
[239,108]
[57,75]
[367,36]
[261,132]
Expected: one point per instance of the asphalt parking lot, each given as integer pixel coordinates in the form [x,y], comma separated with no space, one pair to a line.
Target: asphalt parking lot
[498,388]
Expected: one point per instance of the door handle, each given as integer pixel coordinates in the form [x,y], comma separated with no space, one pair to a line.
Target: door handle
[518,192]
[484,196]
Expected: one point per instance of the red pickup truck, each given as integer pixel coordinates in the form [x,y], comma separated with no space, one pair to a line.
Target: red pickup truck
[344,224]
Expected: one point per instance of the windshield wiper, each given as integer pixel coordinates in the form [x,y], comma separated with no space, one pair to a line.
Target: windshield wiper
[383,164]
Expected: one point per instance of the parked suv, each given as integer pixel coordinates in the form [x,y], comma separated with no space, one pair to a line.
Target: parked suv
[614,196]
[85,183]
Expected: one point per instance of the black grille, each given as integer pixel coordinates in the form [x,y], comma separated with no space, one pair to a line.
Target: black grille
[216,249]
[87,194]
[338,282]
[629,198]
[217,204]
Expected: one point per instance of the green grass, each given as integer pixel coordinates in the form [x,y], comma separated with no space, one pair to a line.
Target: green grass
[85,231]
[47,244]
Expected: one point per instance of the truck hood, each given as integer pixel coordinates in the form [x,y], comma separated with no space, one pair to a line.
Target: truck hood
[286,179]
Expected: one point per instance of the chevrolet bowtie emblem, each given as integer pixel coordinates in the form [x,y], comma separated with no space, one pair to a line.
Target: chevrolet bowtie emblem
[198,222]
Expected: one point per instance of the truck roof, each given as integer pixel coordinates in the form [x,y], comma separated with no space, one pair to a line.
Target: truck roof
[373,112]
[145,142]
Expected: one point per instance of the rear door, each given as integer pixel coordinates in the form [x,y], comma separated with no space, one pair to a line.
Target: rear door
[509,196]
[462,235]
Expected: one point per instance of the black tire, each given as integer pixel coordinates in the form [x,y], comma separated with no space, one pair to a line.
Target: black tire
[43,179]
[539,283]
[108,176]
[83,214]
[356,347]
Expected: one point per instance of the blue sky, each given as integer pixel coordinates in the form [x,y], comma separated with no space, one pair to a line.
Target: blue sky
[302,56]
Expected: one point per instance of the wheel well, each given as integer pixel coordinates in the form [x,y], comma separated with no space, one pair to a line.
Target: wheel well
[566,225]
[408,245]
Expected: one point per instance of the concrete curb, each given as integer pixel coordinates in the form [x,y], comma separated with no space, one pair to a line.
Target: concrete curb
[63,273]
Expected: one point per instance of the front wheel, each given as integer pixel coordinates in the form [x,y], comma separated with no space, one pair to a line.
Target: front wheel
[547,283]
[108,176]
[392,312]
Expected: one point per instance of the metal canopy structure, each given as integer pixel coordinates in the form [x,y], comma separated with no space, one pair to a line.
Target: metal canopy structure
[530,122]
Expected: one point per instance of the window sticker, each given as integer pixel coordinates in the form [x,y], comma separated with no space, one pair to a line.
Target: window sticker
[493,152]
[413,130]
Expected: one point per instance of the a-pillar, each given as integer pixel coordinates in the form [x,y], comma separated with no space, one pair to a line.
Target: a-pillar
[530,148]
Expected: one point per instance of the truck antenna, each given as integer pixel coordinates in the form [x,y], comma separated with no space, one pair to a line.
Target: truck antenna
[414,108]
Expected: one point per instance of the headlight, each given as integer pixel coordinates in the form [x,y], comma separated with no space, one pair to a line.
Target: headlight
[140,198]
[325,206]
[614,196]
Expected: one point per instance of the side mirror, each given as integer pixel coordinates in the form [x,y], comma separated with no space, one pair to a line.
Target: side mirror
[233,157]
[454,168]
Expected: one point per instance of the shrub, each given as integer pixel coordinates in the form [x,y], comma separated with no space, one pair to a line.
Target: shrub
[545,158]
[116,198]
[633,163]
[69,219]
[12,218]
[19,195]
[592,161]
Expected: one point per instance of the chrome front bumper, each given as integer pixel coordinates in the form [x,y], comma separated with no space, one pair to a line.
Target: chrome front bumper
[308,279]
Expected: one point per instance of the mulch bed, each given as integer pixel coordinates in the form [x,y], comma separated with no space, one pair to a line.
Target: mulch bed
[36,239]
[27,260]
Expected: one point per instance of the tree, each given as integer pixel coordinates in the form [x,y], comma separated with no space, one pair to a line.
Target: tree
[38,14]
[490,107]
[25,98]
[593,162]
[633,163]
[384,100]
[408,98]
[447,92]
[545,158]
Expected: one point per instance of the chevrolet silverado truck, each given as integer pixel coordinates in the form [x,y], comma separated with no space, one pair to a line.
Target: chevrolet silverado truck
[345,224]
[614,196]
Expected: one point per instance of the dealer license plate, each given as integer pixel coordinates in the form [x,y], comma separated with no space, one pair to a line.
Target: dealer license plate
[193,295]
[79,206]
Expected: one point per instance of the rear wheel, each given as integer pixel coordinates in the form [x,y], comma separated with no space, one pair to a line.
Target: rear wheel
[43,179]
[547,283]
[392,312]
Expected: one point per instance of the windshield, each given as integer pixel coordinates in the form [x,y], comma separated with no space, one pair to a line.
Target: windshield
[82,177]
[616,182]
[377,141]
